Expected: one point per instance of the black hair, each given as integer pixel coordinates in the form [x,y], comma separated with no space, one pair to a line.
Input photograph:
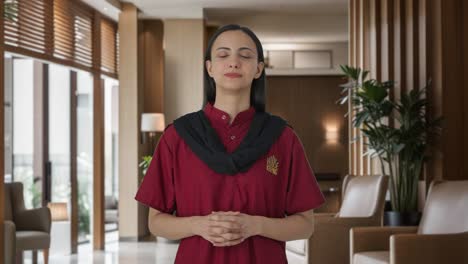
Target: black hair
[257,91]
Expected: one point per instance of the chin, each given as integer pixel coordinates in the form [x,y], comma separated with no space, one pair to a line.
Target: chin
[233,86]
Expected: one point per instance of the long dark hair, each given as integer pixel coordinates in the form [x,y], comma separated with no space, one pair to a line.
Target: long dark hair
[257,91]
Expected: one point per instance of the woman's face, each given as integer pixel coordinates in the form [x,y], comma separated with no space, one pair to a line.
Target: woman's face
[234,61]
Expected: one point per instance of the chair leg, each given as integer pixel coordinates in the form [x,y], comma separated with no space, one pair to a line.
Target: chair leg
[45,252]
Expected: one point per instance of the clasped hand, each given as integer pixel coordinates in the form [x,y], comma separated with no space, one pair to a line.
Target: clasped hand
[227,228]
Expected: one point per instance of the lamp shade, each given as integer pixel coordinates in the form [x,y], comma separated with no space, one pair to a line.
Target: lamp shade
[58,211]
[152,122]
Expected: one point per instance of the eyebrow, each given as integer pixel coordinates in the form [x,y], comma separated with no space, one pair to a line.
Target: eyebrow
[243,48]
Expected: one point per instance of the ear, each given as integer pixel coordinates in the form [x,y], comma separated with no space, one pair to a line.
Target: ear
[208,67]
[260,67]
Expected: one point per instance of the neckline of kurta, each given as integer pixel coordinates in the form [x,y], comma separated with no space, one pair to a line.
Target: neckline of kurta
[221,118]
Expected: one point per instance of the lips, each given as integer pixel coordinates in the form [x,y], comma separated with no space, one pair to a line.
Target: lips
[233,75]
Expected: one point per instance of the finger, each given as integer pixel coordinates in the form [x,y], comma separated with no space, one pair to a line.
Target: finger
[232,236]
[220,217]
[218,230]
[225,213]
[216,239]
[228,243]
[229,213]
[233,226]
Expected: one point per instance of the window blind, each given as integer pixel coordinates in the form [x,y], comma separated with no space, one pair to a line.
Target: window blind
[108,46]
[60,31]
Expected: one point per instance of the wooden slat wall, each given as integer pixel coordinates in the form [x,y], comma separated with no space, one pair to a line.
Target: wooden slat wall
[412,41]
[454,88]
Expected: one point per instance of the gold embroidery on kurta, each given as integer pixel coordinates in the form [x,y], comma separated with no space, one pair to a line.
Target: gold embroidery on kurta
[272,165]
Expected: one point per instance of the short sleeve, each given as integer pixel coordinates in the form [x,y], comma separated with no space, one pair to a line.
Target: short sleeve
[157,188]
[303,191]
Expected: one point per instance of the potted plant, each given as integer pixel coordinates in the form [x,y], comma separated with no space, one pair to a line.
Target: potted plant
[144,164]
[402,148]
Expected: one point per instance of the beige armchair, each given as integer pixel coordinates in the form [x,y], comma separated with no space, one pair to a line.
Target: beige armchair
[363,205]
[442,236]
[32,226]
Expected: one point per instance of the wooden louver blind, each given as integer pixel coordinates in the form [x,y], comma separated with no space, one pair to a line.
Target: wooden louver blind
[73,32]
[83,36]
[63,30]
[26,27]
[108,46]
[60,31]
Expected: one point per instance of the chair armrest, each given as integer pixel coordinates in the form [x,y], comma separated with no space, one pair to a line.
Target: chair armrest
[38,219]
[434,248]
[9,242]
[375,238]
[330,241]
[347,222]
[338,226]
[324,215]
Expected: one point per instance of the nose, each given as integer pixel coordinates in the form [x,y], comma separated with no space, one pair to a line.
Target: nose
[234,63]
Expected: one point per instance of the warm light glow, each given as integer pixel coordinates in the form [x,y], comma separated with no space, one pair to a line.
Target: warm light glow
[332,134]
[58,211]
[152,122]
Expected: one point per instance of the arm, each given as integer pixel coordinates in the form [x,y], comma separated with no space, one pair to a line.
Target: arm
[42,220]
[174,228]
[170,226]
[294,227]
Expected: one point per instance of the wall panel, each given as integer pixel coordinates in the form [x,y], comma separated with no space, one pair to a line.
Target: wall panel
[410,42]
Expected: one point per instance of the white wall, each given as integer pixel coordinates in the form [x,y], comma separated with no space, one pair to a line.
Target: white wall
[339,51]
[296,32]
[287,28]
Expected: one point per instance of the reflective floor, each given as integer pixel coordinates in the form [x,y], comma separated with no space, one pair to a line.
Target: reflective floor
[125,252]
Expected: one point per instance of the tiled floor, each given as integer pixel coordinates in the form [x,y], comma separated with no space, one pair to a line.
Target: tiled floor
[125,252]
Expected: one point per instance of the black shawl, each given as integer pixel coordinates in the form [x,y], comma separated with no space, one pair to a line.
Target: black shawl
[196,130]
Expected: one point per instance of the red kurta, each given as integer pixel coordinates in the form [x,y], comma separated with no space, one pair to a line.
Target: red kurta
[177,180]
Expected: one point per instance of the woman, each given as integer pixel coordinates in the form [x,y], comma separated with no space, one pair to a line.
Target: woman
[237,177]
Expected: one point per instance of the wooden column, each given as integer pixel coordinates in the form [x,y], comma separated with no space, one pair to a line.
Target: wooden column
[151,63]
[2,147]
[74,223]
[98,137]
[129,121]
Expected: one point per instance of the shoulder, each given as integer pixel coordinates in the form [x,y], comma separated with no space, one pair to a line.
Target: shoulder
[170,135]
[288,135]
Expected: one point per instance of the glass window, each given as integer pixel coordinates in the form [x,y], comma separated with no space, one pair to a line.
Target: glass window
[23,128]
[84,114]
[59,132]
[111,100]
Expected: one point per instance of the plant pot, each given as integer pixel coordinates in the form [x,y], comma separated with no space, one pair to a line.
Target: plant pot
[394,218]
